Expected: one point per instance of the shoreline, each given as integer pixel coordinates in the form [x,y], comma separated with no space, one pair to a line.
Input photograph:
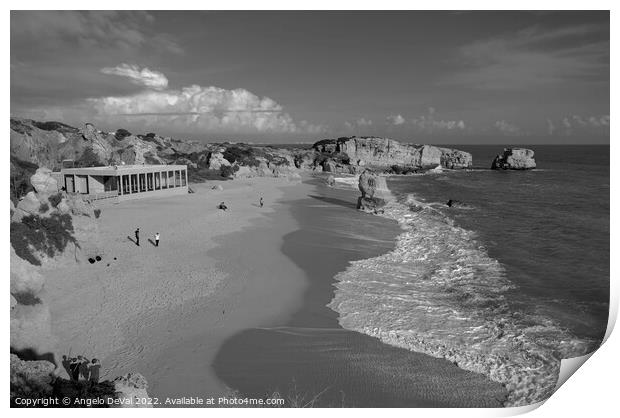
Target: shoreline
[141,311]
[313,355]
[525,364]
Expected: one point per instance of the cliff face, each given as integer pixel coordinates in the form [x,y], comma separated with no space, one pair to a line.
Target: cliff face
[514,159]
[49,143]
[385,152]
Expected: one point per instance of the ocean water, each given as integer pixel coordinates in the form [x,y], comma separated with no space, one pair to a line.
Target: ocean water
[508,282]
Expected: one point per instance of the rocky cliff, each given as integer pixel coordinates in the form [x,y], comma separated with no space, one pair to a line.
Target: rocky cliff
[384,153]
[514,159]
[47,144]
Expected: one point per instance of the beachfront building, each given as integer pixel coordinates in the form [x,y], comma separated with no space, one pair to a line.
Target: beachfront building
[124,182]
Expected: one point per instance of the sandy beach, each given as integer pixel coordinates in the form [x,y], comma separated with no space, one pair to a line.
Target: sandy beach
[237,301]
[163,311]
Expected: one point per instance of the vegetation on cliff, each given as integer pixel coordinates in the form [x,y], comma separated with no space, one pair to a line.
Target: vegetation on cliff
[36,234]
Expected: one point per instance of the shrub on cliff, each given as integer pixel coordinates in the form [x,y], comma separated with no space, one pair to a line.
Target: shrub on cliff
[34,235]
[55,199]
[228,170]
[21,171]
[55,126]
[88,159]
[121,134]
[242,156]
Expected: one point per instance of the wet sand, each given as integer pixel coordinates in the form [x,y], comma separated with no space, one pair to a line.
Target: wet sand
[311,359]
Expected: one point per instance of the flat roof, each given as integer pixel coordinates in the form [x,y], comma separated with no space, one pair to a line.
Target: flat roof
[117,169]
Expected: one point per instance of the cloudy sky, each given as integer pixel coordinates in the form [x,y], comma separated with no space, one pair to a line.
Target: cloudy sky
[433,77]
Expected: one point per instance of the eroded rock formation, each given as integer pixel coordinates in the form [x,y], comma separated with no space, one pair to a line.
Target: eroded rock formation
[514,159]
[384,153]
[375,193]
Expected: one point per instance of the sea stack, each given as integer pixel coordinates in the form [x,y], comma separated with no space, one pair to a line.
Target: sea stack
[375,193]
[514,159]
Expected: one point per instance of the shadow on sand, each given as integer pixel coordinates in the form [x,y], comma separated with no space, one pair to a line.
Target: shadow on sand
[335,201]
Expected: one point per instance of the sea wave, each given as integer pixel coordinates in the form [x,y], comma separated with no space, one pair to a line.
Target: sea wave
[440,293]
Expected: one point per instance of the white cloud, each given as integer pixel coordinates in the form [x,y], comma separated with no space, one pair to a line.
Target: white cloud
[507,128]
[396,119]
[577,123]
[358,123]
[428,124]
[203,108]
[193,109]
[142,77]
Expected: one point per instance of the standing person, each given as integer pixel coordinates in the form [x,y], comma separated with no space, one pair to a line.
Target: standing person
[74,367]
[66,363]
[137,233]
[83,367]
[157,239]
[261,202]
[94,368]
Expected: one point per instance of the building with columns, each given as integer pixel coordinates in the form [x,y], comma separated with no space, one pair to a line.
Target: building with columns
[124,182]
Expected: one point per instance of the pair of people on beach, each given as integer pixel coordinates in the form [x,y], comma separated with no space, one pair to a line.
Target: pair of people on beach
[80,368]
[137,234]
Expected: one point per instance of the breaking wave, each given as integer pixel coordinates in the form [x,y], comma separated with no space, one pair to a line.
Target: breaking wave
[440,293]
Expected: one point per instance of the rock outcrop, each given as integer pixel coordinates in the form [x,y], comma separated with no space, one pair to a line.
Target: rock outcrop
[31,379]
[217,160]
[43,182]
[130,390]
[375,193]
[384,153]
[514,159]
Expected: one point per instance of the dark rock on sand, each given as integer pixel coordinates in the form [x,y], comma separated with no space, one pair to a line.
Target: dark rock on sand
[514,159]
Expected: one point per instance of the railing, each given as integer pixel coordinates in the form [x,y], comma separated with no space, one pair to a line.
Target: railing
[100,196]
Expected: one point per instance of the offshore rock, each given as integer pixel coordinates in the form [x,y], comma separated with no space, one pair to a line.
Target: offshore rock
[385,152]
[514,159]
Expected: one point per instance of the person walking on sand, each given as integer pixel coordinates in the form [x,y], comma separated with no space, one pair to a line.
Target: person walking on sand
[157,239]
[94,368]
[261,202]
[137,233]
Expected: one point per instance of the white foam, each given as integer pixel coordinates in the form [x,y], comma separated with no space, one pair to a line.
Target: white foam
[440,293]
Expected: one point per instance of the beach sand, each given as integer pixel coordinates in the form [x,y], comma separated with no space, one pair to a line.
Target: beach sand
[164,311]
